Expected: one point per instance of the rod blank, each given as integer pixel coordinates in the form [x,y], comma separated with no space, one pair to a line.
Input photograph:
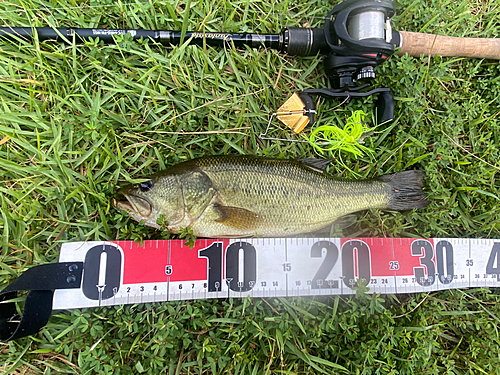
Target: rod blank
[165,37]
[295,41]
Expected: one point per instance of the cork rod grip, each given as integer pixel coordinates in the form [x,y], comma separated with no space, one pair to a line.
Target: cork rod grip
[417,44]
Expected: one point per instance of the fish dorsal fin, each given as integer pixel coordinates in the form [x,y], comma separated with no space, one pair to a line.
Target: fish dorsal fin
[237,217]
[318,165]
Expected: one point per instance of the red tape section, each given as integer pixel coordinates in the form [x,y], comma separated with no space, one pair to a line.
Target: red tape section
[158,261]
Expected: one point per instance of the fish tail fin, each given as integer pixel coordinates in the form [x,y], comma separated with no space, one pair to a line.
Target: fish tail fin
[406,190]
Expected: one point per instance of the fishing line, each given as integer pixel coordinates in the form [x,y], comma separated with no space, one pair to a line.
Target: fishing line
[49,10]
[86,6]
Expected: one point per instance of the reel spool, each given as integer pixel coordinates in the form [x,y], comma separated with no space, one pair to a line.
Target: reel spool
[359,39]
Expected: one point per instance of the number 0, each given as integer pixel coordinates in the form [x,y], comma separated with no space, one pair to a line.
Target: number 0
[249,270]
[348,265]
[109,272]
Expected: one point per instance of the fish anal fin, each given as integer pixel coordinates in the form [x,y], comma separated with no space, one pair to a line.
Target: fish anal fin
[336,228]
[237,217]
[345,221]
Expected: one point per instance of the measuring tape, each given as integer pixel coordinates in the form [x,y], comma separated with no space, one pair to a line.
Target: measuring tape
[91,274]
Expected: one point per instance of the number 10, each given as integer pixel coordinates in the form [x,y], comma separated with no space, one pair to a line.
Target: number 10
[238,280]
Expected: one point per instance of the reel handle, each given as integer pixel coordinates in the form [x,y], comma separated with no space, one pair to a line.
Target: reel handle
[417,44]
[384,104]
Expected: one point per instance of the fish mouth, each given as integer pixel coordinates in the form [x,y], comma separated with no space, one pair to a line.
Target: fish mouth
[134,204]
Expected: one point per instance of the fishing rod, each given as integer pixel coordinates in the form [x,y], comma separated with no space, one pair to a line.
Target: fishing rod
[356,37]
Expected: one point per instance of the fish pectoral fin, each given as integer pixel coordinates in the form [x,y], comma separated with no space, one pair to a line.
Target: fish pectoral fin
[345,221]
[237,217]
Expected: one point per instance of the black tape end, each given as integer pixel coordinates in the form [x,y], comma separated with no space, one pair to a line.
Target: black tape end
[40,282]
[37,310]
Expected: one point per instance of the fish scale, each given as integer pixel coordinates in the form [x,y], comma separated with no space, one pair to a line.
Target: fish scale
[236,196]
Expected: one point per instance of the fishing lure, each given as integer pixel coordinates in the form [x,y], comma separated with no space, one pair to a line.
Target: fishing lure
[330,138]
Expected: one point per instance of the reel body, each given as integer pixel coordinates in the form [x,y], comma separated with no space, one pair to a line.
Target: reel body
[357,37]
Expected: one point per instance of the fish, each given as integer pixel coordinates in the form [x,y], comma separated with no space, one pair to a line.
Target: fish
[250,196]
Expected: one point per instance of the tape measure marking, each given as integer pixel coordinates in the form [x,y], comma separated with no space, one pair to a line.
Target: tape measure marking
[170,271]
[115,273]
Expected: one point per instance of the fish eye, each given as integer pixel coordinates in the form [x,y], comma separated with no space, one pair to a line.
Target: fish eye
[146,186]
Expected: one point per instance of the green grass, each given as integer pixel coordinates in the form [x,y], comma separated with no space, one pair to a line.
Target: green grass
[77,121]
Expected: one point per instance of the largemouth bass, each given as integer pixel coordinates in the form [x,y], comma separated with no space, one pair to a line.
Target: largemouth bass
[242,196]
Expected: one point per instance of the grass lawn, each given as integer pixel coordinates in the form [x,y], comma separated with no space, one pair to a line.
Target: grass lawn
[76,121]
